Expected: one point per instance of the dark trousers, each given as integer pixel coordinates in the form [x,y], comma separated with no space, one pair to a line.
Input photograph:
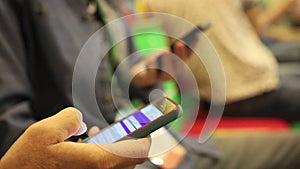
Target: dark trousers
[256,151]
[271,150]
[283,103]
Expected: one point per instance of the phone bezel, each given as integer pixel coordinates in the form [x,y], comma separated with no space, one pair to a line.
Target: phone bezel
[145,130]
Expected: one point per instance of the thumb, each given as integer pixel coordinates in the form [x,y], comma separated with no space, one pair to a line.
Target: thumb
[130,148]
[59,127]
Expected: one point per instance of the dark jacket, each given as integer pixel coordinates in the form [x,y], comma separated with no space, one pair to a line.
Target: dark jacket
[40,42]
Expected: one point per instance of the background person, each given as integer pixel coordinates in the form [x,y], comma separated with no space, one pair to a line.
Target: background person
[255,85]
[277,24]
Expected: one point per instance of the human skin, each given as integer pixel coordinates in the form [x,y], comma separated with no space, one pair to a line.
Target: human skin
[43,146]
[150,77]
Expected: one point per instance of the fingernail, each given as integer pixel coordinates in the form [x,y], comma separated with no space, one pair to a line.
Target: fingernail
[81,130]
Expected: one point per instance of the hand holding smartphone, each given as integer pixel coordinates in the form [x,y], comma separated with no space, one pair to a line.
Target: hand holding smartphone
[139,124]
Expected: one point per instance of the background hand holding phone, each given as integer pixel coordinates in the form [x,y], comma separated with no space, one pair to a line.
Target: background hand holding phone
[154,68]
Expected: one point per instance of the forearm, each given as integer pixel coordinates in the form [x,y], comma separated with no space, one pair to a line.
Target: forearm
[263,18]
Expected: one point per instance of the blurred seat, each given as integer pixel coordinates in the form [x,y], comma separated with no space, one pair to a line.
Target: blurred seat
[239,125]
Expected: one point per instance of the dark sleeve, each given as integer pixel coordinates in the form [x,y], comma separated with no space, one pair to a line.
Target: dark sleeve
[15,92]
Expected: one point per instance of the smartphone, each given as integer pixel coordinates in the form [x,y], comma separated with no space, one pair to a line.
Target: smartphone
[158,59]
[191,37]
[140,123]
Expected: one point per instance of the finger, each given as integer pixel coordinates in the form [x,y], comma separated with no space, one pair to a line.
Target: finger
[59,127]
[80,155]
[181,50]
[93,130]
[145,78]
[164,77]
[129,152]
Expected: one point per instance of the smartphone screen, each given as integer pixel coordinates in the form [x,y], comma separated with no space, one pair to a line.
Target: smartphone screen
[139,124]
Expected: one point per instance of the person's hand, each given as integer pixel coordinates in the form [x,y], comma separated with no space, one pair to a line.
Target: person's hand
[43,146]
[154,69]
